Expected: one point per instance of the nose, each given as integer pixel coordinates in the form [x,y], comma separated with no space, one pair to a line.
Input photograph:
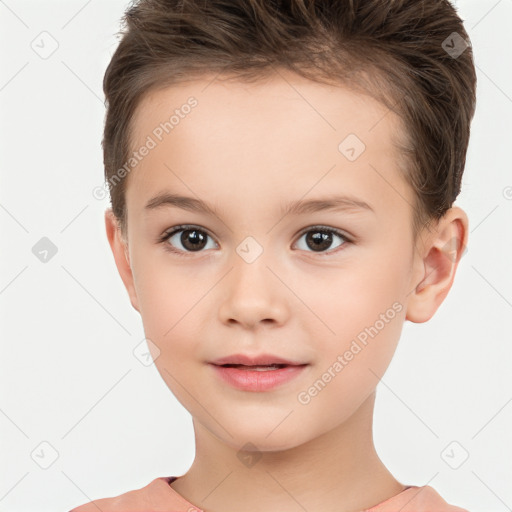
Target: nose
[253,294]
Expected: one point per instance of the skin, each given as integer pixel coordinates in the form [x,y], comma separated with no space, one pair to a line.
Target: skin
[247,150]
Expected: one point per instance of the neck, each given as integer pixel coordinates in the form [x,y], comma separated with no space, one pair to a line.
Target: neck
[339,471]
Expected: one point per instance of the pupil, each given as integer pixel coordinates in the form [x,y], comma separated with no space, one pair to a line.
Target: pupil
[193,239]
[319,240]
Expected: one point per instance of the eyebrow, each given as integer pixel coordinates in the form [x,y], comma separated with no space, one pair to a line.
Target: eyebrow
[335,203]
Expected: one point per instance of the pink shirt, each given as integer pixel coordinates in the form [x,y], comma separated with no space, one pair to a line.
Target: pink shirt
[159,496]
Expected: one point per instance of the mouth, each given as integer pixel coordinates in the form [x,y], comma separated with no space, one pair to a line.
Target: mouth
[257,368]
[255,362]
[258,378]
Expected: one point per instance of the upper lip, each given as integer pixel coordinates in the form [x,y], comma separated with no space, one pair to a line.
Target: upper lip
[261,359]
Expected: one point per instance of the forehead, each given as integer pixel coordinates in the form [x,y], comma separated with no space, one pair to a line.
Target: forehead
[283,133]
[276,100]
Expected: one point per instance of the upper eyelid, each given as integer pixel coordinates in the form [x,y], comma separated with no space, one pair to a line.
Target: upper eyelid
[321,227]
[184,227]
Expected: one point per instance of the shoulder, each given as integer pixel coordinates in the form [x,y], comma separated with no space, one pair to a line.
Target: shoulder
[130,501]
[417,499]
[427,497]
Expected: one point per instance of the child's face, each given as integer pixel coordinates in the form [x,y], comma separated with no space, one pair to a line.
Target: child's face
[247,151]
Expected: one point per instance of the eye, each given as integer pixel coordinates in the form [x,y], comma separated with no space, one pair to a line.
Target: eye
[320,238]
[191,238]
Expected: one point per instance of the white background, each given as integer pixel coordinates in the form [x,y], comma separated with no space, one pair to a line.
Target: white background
[68,374]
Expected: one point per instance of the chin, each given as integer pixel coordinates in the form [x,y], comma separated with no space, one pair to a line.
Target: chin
[254,439]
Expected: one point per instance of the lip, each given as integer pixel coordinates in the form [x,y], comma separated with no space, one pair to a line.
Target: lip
[254,360]
[258,381]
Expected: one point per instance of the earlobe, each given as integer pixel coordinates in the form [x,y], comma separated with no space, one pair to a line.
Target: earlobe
[437,265]
[121,255]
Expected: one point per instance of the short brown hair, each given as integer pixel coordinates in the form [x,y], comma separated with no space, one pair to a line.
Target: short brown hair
[401,52]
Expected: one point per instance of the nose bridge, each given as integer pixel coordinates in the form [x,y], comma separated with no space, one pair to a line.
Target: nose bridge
[253,293]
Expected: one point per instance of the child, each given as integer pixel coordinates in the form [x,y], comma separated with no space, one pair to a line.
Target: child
[282,177]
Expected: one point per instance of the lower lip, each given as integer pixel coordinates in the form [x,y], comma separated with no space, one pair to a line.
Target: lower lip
[253,380]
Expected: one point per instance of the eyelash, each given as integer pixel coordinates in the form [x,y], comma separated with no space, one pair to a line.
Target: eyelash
[176,229]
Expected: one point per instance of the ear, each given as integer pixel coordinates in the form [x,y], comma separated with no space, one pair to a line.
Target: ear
[119,248]
[437,264]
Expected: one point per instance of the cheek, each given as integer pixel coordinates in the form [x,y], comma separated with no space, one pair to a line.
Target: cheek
[171,311]
[171,308]
[354,295]
[351,362]
[360,315]
[163,288]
